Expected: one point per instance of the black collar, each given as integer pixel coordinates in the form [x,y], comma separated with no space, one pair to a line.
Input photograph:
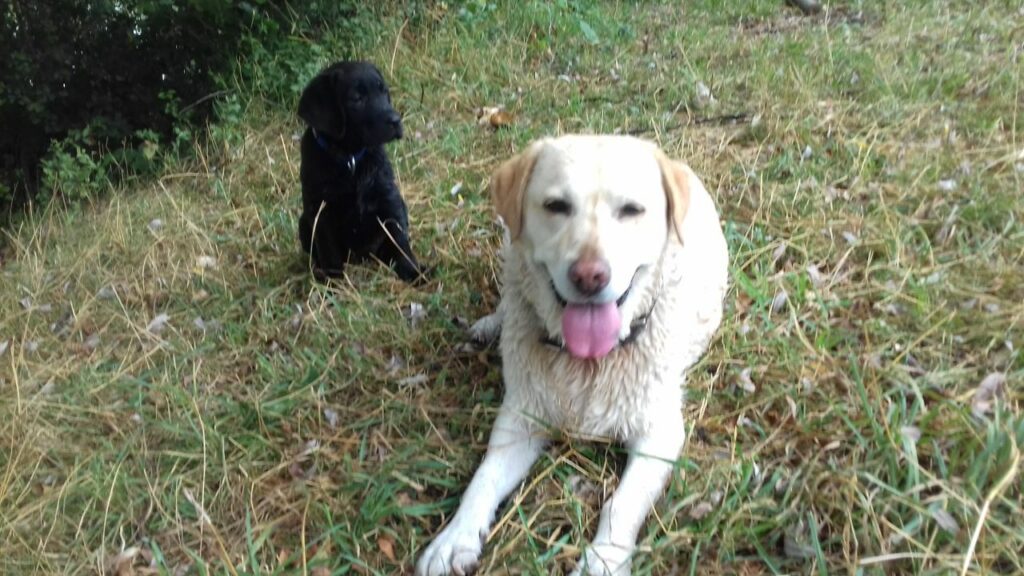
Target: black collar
[345,160]
[636,328]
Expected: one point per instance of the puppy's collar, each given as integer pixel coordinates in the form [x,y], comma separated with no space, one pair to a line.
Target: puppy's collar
[347,160]
[636,328]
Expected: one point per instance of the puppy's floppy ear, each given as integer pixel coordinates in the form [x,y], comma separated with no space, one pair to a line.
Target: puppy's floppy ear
[508,186]
[675,179]
[320,107]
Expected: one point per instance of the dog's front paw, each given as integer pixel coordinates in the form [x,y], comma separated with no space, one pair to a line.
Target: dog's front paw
[486,330]
[605,560]
[456,550]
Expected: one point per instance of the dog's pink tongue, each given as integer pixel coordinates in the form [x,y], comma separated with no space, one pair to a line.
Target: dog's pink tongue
[591,330]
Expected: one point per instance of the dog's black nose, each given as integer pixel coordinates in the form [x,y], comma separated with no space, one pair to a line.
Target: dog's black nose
[590,275]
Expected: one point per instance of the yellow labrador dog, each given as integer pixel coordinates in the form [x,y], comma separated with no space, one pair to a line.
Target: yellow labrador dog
[615,268]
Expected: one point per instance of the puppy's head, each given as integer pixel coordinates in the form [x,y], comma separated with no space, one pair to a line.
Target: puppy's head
[594,215]
[350,103]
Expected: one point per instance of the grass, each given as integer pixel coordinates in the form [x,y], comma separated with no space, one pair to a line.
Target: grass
[867,162]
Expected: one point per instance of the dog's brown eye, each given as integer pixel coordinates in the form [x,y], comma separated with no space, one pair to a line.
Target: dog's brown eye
[557,206]
[630,210]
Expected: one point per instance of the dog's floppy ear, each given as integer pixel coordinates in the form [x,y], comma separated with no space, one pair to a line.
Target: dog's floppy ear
[675,179]
[319,106]
[508,186]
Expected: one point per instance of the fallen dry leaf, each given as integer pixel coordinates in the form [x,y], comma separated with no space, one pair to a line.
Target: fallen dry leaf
[584,489]
[386,546]
[395,364]
[206,325]
[282,556]
[796,541]
[295,322]
[701,510]
[415,313]
[986,394]
[414,380]
[703,98]
[911,433]
[817,279]
[745,382]
[777,254]
[92,342]
[792,407]
[121,563]
[157,324]
[494,117]
[332,417]
[779,301]
[945,520]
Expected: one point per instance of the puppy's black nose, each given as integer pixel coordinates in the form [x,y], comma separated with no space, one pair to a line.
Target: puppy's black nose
[395,123]
[590,275]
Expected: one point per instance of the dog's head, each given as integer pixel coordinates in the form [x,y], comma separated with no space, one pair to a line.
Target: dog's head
[595,214]
[350,103]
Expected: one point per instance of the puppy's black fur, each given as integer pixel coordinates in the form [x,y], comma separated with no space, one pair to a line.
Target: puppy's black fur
[351,205]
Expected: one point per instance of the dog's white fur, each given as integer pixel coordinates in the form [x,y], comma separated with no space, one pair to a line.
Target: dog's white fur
[673,260]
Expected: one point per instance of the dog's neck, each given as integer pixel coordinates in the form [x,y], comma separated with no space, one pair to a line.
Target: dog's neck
[348,161]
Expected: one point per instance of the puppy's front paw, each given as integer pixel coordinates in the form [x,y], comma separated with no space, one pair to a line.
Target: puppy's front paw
[325,275]
[456,550]
[605,560]
[417,275]
[486,330]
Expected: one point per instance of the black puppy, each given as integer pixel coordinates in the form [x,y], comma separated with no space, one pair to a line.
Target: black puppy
[351,206]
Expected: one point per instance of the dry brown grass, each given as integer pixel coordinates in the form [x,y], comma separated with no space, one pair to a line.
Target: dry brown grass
[321,429]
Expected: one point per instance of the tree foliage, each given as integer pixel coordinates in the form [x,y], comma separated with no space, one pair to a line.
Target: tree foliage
[106,69]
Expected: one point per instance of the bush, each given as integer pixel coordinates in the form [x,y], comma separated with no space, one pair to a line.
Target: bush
[102,70]
[91,90]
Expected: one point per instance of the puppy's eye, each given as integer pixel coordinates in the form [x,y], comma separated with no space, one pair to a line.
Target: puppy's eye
[558,206]
[631,210]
